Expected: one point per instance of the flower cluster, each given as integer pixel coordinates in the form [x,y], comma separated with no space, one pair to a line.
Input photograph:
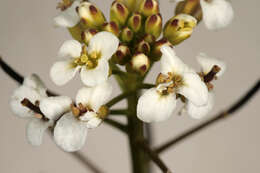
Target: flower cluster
[131,39]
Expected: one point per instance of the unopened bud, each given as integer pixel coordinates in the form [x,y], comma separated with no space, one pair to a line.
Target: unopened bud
[127,35]
[135,22]
[143,47]
[87,35]
[130,4]
[122,55]
[179,28]
[139,63]
[149,38]
[156,51]
[149,7]
[119,13]
[111,27]
[153,25]
[91,16]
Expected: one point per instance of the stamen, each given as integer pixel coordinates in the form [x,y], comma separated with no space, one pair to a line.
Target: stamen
[64,5]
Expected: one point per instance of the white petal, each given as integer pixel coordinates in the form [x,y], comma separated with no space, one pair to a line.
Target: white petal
[70,48]
[94,96]
[94,123]
[199,112]
[170,62]
[54,107]
[33,81]
[88,116]
[96,76]
[152,107]
[194,89]
[207,63]
[18,95]
[62,72]
[69,133]
[35,130]
[105,42]
[68,17]
[91,120]
[217,14]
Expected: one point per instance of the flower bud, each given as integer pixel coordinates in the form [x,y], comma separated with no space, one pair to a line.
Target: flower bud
[149,38]
[126,35]
[130,4]
[149,7]
[179,28]
[153,25]
[143,47]
[119,13]
[156,50]
[135,22]
[91,16]
[87,35]
[111,27]
[122,55]
[139,63]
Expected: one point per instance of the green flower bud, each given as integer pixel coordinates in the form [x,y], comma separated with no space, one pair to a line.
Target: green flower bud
[91,16]
[156,49]
[179,28]
[126,35]
[149,38]
[149,7]
[111,27]
[119,13]
[130,4]
[139,63]
[135,22]
[143,47]
[153,25]
[122,55]
[87,35]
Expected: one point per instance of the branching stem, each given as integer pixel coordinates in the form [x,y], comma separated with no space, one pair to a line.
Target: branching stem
[225,114]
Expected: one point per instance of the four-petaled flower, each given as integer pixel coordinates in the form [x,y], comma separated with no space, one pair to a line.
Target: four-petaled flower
[206,64]
[71,130]
[157,104]
[92,61]
[34,91]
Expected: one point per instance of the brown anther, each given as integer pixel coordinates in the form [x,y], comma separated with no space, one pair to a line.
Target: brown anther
[210,86]
[82,108]
[211,75]
[37,103]
[103,112]
[143,68]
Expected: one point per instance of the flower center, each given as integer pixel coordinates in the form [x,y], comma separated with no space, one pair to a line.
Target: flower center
[64,5]
[169,83]
[90,61]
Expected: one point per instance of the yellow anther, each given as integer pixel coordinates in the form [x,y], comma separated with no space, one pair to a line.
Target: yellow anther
[89,64]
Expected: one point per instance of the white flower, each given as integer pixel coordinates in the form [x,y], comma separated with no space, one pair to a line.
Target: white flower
[217,14]
[69,17]
[34,90]
[206,64]
[157,104]
[92,61]
[70,131]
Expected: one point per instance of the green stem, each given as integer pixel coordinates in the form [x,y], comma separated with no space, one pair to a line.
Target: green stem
[118,99]
[118,112]
[140,161]
[117,125]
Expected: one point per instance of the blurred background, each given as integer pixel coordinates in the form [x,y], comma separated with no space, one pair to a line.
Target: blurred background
[29,42]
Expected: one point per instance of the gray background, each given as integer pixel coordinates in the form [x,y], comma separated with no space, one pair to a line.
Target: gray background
[30,43]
